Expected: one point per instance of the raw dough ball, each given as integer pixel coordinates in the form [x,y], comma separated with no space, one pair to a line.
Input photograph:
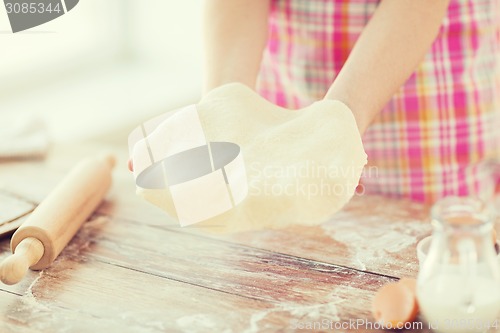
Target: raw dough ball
[302,166]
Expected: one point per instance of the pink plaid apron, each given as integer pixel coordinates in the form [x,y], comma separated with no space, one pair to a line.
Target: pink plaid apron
[440,133]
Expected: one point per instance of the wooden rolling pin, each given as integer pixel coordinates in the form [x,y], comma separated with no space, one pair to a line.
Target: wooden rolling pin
[39,240]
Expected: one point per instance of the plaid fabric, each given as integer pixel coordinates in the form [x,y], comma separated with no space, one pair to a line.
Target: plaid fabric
[440,133]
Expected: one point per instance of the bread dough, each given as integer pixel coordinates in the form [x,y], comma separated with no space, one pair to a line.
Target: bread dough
[302,166]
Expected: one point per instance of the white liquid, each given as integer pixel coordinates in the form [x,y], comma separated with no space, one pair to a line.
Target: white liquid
[443,303]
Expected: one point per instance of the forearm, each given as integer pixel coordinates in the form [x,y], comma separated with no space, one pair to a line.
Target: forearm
[235,35]
[387,52]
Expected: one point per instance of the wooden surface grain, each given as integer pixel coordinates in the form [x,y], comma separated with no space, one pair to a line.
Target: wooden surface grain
[132,269]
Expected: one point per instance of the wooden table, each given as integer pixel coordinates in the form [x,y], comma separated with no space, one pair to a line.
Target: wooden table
[130,269]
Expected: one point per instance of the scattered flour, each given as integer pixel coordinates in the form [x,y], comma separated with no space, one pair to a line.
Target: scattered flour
[370,243]
[196,323]
[303,313]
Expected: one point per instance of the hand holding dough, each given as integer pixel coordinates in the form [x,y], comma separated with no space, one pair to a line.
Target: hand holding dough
[301,166]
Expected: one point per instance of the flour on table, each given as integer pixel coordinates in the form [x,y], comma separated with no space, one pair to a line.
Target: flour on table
[370,243]
[299,312]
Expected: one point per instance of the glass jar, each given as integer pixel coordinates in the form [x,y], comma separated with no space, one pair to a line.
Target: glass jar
[458,286]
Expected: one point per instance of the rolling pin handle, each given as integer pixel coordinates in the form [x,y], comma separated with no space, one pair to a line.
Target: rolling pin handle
[27,253]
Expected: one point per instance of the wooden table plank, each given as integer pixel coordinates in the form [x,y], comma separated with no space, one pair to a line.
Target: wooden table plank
[284,290]
[382,242]
[137,271]
[371,233]
[82,294]
[219,265]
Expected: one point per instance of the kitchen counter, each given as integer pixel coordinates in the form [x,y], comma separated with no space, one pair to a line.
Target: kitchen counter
[131,269]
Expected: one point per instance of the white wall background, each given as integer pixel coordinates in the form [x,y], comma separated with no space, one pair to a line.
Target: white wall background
[103,66]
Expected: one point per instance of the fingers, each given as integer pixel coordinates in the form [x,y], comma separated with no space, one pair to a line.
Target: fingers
[130,165]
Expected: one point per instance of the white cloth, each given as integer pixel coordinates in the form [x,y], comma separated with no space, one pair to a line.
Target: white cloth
[22,136]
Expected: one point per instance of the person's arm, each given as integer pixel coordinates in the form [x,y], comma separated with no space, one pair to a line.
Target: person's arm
[388,50]
[235,35]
